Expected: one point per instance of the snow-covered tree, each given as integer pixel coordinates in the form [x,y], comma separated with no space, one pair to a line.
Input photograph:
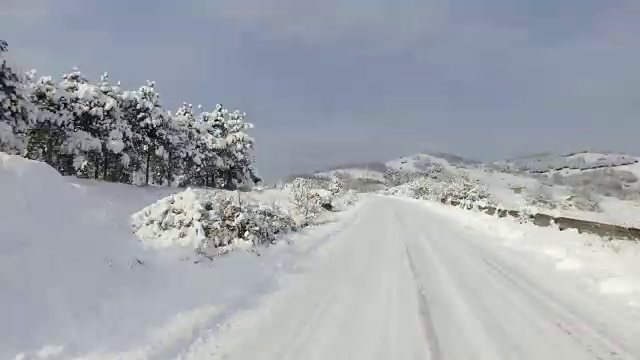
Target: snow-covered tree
[83,142]
[150,125]
[336,187]
[237,154]
[226,147]
[51,122]
[185,144]
[14,107]
[94,129]
[113,131]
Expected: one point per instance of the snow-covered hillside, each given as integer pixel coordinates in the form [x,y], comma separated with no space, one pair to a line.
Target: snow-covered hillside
[602,187]
[416,163]
[75,280]
[585,160]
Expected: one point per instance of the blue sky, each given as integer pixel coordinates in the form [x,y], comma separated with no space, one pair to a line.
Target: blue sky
[336,81]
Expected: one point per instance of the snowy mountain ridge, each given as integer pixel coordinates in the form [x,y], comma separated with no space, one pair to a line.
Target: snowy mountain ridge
[608,181]
[535,163]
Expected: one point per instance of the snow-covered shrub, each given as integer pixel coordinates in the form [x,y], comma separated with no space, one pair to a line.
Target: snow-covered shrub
[210,222]
[335,186]
[179,219]
[350,197]
[464,190]
[345,200]
[460,189]
[541,198]
[308,201]
[423,188]
[581,200]
[244,226]
[620,184]
[419,188]
[398,177]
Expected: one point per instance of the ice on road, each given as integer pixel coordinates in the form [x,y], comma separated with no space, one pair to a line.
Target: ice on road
[403,282]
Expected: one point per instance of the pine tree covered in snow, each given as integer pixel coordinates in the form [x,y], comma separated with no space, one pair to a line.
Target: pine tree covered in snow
[14,107]
[150,125]
[97,130]
[51,125]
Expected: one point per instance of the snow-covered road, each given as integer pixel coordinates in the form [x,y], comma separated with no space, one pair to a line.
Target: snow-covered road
[404,282]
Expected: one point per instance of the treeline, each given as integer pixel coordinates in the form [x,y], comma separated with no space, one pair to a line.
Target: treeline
[98,130]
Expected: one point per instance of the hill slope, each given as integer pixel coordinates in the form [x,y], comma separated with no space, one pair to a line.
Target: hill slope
[608,183]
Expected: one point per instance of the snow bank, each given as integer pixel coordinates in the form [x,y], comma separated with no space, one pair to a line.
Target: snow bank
[58,246]
[75,280]
[607,267]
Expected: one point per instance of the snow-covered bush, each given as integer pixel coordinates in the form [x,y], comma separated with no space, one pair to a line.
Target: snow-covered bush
[306,200]
[210,222]
[464,190]
[423,188]
[179,219]
[243,225]
[541,198]
[345,201]
[609,182]
[350,197]
[398,177]
[336,187]
[581,200]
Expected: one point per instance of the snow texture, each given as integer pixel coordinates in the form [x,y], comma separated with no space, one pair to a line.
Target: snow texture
[76,283]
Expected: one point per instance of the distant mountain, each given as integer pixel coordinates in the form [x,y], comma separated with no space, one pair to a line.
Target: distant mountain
[548,162]
[413,163]
[539,163]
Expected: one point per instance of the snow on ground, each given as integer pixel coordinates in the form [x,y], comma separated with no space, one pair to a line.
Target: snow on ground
[399,278]
[74,280]
[406,281]
[607,267]
[512,190]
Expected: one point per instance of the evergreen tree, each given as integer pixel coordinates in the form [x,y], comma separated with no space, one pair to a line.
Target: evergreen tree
[14,107]
[150,129]
[51,124]
[96,130]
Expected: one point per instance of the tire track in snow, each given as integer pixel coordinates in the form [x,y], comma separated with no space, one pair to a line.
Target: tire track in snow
[425,313]
[588,337]
[423,304]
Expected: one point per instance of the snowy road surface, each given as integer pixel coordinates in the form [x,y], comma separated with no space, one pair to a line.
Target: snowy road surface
[403,282]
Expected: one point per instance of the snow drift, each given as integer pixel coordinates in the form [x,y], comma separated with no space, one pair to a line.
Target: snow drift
[75,280]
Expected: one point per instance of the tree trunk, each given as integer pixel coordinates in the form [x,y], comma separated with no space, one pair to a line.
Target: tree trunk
[96,163]
[228,180]
[49,145]
[146,178]
[105,169]
[169,170]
